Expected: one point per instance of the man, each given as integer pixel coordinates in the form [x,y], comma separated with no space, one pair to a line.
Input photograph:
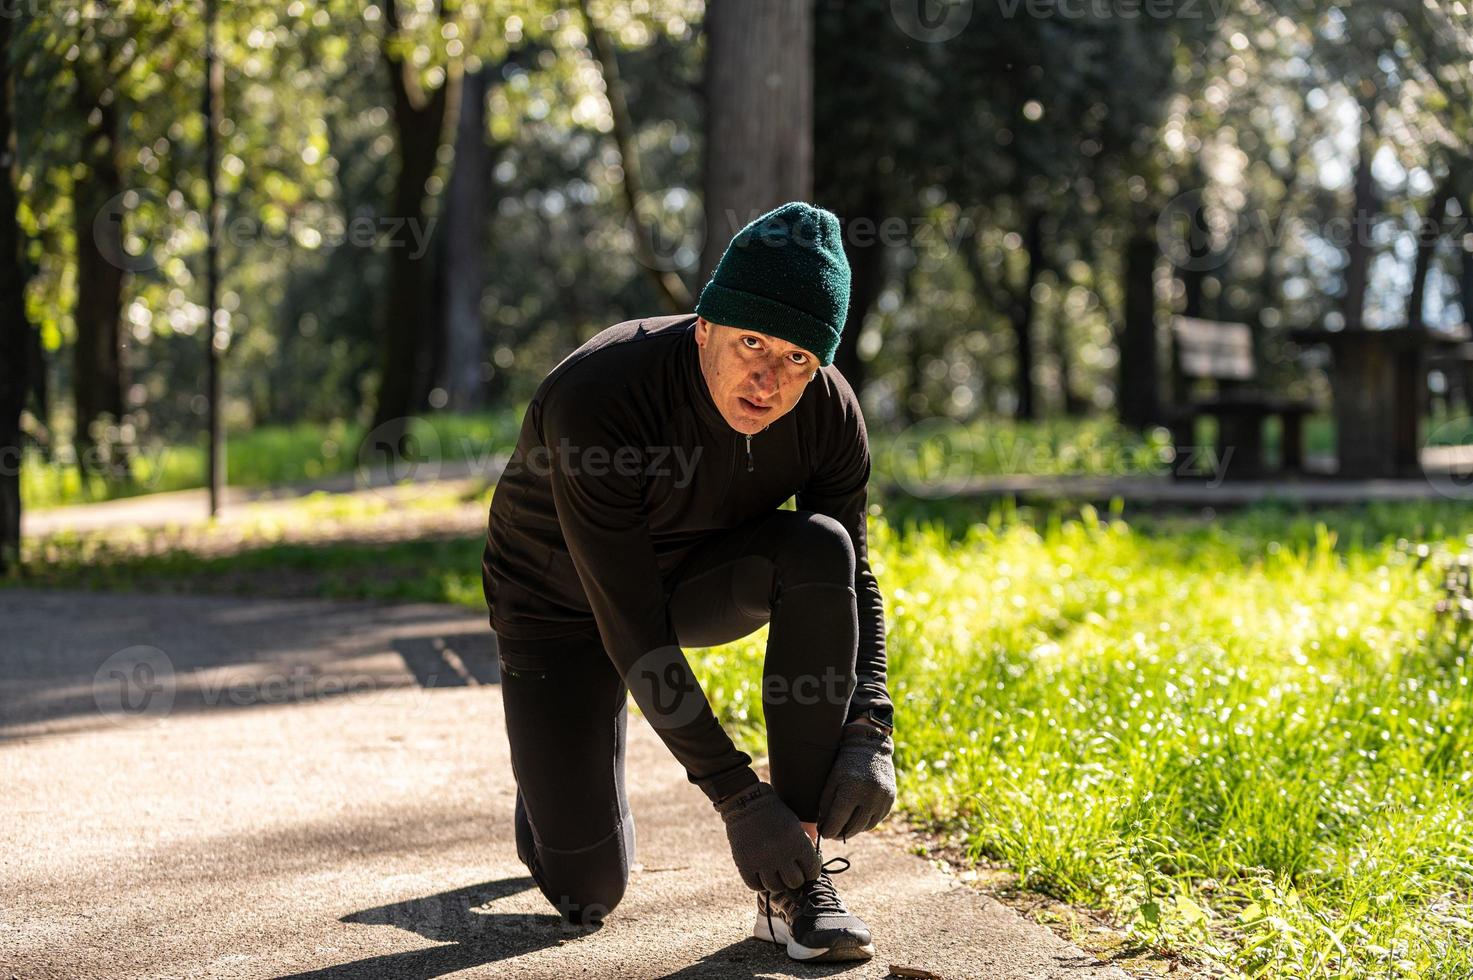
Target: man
[639,514]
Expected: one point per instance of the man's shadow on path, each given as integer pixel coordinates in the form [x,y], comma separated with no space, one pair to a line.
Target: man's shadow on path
[475,938]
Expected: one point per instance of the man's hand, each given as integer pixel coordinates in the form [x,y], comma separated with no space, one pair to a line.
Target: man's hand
[768,843]
[861,786]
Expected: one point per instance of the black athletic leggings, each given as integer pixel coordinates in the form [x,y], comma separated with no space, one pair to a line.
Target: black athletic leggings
[565,702]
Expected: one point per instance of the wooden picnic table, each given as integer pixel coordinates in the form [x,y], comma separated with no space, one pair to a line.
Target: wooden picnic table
[1378,381]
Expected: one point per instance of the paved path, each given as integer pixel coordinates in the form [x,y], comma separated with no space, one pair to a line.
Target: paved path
[206,787]
[1450,479]
[174,508]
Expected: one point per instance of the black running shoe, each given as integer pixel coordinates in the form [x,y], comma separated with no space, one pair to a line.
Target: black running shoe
[812,921]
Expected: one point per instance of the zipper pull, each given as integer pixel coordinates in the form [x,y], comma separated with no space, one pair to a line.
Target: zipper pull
[749,454]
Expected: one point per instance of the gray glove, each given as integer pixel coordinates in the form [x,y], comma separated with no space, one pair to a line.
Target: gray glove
[861,786]
[768,844]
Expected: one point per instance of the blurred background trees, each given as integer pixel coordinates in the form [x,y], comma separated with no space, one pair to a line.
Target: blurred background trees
[427,203]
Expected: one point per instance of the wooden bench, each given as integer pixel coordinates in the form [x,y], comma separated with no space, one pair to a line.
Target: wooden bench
[1456,367]
[1208,353]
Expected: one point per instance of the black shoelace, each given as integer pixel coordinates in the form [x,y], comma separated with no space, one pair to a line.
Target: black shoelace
[818,895]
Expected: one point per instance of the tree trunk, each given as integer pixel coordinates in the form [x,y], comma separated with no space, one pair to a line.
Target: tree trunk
[1358,264]
[866,255]
[667,282]
[1428,235]
[916,405]
[98,367]
[1023,310]
[15,330]
[1073,405]
[1193,272]
[410,323]
[759,113]
[465,252]
[1138,399]
[1466,292]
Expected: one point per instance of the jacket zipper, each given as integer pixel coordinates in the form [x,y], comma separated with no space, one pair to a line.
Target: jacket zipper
[749,445]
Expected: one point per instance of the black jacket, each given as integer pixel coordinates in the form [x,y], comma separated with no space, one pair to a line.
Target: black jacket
[623,465]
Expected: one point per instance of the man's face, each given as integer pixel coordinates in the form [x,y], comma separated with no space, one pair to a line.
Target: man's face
[755,378]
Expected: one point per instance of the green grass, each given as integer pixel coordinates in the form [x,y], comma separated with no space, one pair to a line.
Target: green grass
[932,453]
[267,456]
[1251,738]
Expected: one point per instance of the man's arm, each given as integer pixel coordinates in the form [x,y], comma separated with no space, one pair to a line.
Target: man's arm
[600,508]
[839,489]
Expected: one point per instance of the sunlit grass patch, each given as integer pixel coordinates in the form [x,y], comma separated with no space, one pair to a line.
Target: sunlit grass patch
[263,457]
[1257,746]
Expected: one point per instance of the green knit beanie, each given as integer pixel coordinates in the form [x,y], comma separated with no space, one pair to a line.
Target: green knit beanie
[784,274]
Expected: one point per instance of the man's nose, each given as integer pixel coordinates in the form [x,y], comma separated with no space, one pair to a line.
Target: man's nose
[765,380]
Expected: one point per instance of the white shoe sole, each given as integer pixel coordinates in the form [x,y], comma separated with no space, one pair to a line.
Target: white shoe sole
[825,954]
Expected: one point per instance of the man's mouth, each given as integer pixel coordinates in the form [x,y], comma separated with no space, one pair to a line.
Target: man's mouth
[753,407]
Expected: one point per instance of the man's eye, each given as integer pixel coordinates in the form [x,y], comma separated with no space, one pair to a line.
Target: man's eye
[800,358]
[751,342]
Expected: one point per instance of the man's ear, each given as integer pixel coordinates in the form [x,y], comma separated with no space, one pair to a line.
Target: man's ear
[703,330]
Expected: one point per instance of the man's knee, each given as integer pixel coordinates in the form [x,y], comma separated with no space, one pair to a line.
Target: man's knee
[584,902]
[816,549]
[588,883]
